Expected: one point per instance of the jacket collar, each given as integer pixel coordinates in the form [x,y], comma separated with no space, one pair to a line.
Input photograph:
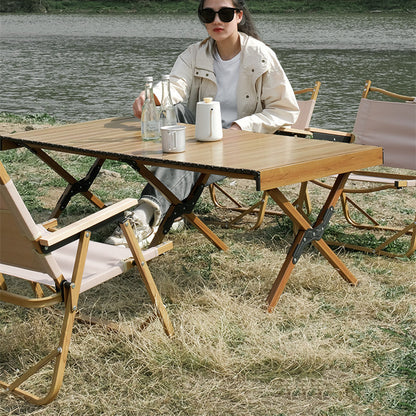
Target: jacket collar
[252,56]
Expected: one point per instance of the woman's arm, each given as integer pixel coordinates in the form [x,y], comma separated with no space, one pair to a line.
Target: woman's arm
[267,101]
[180,77]
[180,81]
[278,106]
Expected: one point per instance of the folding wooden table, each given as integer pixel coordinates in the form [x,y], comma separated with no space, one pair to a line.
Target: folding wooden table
[272,161]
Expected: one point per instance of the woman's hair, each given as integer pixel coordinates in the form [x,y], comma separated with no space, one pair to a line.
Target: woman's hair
[246,25]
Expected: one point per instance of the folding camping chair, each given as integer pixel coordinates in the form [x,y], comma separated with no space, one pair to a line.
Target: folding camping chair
[299,129]
[65,263]
[391,125]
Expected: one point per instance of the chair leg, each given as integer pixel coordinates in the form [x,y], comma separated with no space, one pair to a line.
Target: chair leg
[3,285]
[303,199]
[37,290]
[147,277]
[397,235]
[345,201]
[212,189]
[258,208]
[412,247]
[59,354]
[262,210]
[409,230]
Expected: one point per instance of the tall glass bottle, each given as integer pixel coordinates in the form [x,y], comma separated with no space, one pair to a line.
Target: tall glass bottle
[150,123]
[167,111]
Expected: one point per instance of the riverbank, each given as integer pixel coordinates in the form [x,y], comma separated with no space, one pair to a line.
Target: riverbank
[189,6]
[13,123]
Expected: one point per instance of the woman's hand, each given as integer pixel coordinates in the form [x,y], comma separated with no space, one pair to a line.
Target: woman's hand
[138,105]
[235,126]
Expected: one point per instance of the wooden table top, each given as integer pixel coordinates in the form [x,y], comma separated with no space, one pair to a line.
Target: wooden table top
[271,160]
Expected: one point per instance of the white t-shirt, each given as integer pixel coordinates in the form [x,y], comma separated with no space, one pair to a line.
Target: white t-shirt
[226,73]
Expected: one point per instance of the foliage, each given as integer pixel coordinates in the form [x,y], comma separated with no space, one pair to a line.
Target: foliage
[189,6]
[27,118]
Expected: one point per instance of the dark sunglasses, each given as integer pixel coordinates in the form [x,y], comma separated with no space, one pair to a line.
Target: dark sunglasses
[226,14]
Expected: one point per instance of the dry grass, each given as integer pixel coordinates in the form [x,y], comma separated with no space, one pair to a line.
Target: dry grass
[328,349]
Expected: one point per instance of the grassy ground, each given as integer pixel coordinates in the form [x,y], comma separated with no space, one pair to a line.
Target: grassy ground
[327,349]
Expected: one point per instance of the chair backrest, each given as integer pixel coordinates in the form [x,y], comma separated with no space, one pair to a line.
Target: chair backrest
[391,125]
[19,234]
[306,107]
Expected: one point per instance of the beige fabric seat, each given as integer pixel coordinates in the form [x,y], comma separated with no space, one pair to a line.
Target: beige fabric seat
[103,262]
[65,263]
[259,209]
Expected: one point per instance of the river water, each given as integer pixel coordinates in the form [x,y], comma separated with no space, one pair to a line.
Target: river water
[84,67]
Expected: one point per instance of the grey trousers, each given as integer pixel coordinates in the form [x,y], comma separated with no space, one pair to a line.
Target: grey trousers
[179,182]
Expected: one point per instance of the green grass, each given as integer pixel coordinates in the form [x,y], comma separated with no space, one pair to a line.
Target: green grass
[27,119]
[401,362]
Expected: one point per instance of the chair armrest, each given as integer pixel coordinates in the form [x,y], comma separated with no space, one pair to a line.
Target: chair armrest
[87,223]
[331,135]
[50,224]
[289,131]
[329,131]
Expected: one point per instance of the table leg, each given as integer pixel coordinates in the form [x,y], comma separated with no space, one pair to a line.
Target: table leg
[74,186]
[80,187]
[308,234]
[180,208]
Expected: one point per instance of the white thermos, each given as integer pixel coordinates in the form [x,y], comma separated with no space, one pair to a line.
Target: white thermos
[208,125]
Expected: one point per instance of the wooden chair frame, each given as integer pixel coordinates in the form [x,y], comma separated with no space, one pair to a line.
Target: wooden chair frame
[46,272]
[376,181]
[300,129]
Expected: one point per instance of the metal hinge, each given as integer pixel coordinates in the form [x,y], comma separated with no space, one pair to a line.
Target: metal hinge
[312,234]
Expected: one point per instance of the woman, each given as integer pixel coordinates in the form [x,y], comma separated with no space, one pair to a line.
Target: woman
[241,72]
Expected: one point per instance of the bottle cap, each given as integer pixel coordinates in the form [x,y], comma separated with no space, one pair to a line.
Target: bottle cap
[207,100]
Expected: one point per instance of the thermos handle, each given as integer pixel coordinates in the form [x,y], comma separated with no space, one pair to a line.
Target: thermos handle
[211,121]
[172,143]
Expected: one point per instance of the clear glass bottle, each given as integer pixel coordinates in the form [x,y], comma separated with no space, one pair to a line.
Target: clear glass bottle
[150,123]
[167,111]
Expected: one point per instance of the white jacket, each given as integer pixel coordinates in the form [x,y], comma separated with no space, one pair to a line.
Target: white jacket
[265,98]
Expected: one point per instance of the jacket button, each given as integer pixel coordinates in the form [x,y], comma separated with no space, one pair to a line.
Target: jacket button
[247,96]
[197,72]
[252,70]
[207,75]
